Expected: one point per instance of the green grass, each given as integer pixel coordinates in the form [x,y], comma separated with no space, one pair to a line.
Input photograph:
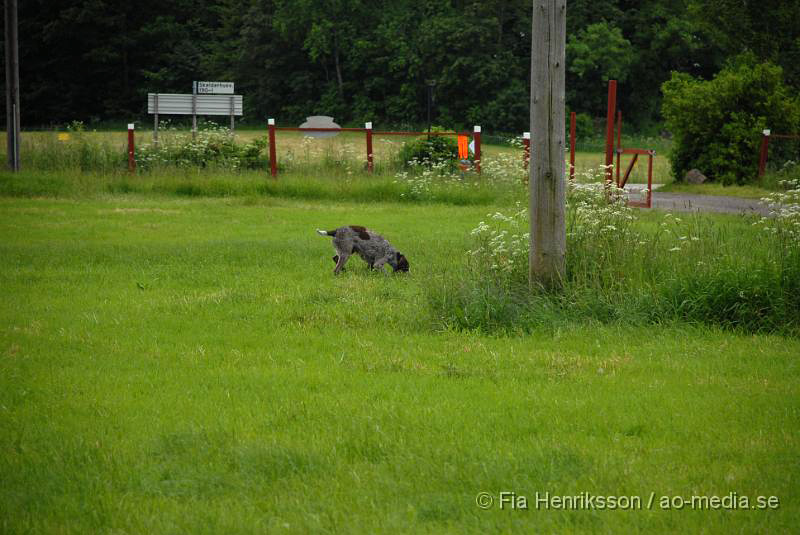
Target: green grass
[105,153]
[178,364]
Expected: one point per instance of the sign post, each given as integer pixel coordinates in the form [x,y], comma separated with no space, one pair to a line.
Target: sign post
[194,110]
[155,120]
[12,85]
[233,111]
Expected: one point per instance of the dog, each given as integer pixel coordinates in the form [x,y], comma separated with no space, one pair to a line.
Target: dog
[373,248]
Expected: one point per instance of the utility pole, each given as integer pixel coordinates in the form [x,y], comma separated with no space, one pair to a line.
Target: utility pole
[12,85]
[547,261]
[430,84]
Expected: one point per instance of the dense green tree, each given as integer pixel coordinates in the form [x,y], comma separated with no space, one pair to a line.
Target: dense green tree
[717,123]
[364,60]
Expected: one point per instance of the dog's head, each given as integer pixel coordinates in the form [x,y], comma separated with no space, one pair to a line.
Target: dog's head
[400,262]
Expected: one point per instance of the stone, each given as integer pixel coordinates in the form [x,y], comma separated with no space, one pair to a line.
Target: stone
[694,176]
[319,121]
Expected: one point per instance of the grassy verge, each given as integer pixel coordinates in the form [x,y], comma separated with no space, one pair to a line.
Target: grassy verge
[173,365]
[381,187]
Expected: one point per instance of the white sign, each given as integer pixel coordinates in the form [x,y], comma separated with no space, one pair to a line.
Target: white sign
[172,104]
[214,88]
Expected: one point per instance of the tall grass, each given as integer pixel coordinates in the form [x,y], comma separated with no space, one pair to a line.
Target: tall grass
[625,266]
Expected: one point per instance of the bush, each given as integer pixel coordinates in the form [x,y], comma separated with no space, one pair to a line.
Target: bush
[717,124]
[433,150]
[213,147]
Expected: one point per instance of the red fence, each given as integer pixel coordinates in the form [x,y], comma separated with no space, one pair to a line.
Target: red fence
[368,133]
[611,149]
[764,153]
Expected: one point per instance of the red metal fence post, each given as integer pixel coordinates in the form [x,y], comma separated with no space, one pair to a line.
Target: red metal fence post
[572,145]
[612,106]
[131,153]
[619,142]
[650,179]
[368,127]
[762,160]
[477,137]
[526,149]
[273,158]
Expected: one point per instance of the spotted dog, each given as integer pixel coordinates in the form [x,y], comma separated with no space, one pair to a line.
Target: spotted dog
[370,246]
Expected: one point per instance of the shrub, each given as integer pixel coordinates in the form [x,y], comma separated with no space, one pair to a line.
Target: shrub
[429,151]
[213,147]
[717,124]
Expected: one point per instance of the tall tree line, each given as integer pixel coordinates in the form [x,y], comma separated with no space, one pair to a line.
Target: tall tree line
[362,60]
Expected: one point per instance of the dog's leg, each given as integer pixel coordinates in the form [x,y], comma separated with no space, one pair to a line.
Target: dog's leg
[378,265]
[340,262]
[336,261]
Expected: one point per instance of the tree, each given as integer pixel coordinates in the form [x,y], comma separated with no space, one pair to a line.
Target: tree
[717,124]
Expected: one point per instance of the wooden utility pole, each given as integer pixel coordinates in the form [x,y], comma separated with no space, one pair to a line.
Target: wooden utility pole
[12,84]
[547,261]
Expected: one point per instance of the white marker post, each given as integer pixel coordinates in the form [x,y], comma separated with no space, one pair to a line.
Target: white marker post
[273,157]
[476,137]
[368,128]
[131,156]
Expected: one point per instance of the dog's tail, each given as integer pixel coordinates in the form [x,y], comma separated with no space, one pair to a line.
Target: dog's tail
[326,232]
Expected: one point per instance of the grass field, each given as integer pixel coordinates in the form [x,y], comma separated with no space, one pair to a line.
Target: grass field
[94,151]
[189,365]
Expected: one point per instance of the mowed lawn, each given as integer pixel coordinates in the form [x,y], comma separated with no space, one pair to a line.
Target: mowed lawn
[192,366]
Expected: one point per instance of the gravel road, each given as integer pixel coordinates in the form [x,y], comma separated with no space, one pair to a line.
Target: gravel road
[690,202]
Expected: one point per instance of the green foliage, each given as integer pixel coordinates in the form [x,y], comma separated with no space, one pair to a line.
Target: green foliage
[717,124]
[597,54]
[213,147]
[430,150]
[584,126]
[693,271]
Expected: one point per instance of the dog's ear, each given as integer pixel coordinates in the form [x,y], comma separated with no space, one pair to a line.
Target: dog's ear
[402,262]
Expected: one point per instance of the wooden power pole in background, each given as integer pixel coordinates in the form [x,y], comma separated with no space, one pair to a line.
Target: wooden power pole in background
[547,262]
[12,84]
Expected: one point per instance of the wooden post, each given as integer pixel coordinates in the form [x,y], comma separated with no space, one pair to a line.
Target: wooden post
[476,136]
[572,145]
[131,153]
[612,106]
[12,85]
[233,110]
[547,261]
[368,127]
[194,110]
[155,120]
[526,149]
[273,159]
[762,159]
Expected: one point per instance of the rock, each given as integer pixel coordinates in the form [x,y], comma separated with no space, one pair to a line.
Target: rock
[694,176]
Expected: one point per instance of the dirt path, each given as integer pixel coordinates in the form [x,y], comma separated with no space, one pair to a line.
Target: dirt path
[689,202]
